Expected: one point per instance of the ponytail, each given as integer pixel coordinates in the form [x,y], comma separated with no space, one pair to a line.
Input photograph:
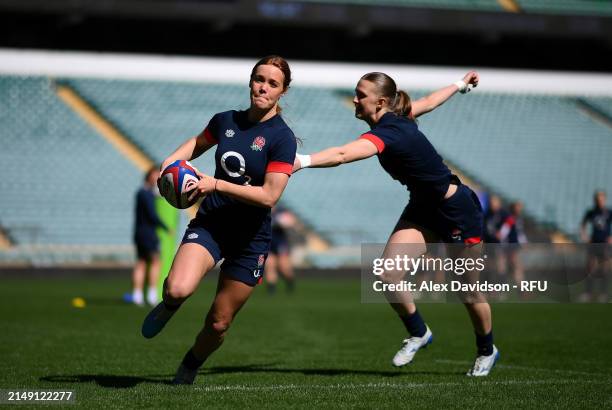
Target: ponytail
[402,105]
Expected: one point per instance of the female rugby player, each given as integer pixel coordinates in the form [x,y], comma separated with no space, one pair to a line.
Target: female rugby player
[254,159]
[441,208]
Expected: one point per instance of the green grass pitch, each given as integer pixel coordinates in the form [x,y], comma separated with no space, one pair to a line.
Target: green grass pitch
[318,348]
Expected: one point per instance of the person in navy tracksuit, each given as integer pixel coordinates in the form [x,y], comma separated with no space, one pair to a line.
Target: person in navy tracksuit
[279,259]
[600,219]
[512,236]
[146,241]
[441,208]
[254,159]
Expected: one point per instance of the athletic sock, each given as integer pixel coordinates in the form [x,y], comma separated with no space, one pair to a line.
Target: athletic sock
[485,344]
[191,362]
[414,324]
[152,296]
[137,296]
[271,287]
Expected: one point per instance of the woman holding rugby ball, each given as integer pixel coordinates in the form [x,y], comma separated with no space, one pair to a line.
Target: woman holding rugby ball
[254,159]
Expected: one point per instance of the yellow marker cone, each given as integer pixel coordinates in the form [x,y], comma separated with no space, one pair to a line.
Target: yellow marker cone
[78,303]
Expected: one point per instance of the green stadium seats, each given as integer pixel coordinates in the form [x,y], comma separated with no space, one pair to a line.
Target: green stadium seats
[585,7]
[542,150]
[62,182]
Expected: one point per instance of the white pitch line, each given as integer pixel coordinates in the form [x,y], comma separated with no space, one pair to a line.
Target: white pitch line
[527,368]
[362,386]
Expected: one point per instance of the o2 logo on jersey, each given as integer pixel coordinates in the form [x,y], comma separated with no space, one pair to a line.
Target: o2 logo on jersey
[241,168]
[258,143]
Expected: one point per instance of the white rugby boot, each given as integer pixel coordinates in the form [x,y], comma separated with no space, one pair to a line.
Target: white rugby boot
[484,364]
[411,346]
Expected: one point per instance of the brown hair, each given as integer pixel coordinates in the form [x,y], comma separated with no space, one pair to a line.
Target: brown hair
[399,100]
[150,171]
[280,63]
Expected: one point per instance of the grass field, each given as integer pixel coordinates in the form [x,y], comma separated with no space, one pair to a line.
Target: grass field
[318,348]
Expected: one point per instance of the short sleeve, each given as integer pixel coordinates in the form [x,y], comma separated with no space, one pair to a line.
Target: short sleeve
[210,132]
[377,140]
[587,217]
[281,155]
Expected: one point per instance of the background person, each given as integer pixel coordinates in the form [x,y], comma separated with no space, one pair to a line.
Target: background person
[146,240]
[600,219]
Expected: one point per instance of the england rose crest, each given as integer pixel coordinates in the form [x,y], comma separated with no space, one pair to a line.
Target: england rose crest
[258,143]
[261,260]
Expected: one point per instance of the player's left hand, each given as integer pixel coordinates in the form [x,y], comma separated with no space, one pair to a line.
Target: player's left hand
[205,186]
[471,79]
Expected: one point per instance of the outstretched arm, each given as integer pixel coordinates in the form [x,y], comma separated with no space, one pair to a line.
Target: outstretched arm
[334,156]
[439,97]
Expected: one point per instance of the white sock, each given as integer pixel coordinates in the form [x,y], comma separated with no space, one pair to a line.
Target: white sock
[152,296]
[137,297]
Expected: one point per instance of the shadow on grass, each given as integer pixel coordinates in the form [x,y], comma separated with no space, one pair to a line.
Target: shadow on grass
[108,380]
[269,368]
[113,381]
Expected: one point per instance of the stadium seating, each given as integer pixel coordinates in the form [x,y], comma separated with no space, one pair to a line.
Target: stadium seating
[62,183]
[591,7]
[576,7]
[601,105]
[541,150]
[482,5]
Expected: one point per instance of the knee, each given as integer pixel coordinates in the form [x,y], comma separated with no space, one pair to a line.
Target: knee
[176,290]
[218,325]
[392,276]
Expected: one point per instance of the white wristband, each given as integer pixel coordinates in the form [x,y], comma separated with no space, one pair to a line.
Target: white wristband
[305,160]
[462,86]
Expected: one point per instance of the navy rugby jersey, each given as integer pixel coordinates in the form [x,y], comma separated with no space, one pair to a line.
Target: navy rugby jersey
[408,156]
[601,220]
[146,216]
[245,152]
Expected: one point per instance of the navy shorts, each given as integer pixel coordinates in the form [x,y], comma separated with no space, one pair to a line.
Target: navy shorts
[279,244]
[244,250]
[458,219]
[146,245]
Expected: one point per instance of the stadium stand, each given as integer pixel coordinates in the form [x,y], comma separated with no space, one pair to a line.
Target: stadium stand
[542,150]
[569,7]
[482,5]
[585,7]
[62,183]
[501,140]
[601,105]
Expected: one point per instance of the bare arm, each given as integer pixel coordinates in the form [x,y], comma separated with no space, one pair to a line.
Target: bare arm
[265,196]
[190,149]
[439,97]
[334,156]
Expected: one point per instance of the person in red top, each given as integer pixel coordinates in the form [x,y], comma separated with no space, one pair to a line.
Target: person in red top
[441,208]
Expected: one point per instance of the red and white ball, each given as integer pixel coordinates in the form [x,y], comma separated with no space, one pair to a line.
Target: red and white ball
[175,180]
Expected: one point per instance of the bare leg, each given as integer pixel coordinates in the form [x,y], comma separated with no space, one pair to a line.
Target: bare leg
[138,277]
[271,272]
[406,239]
[231,296]
[191,263]
[286,269]
[153,278]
